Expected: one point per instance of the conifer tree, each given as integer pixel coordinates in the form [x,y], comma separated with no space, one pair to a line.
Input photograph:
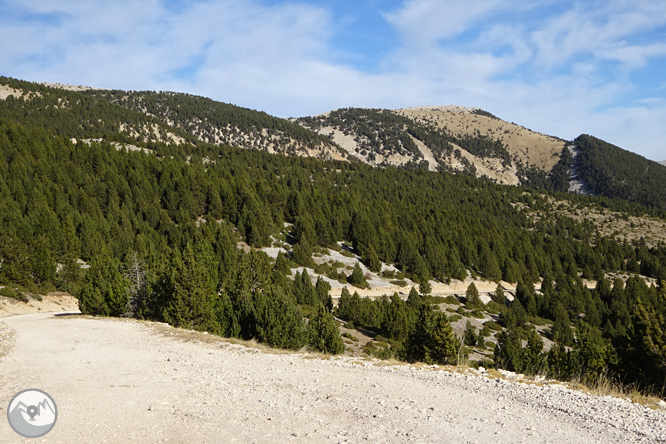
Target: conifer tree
[414,299]
[323,333]
[561,329]
[472,297]
[469,335]
[192,304]
[499,296]
[445,345]
[279,322]
[304,290]
[105,290]
[356,278]
[322,288]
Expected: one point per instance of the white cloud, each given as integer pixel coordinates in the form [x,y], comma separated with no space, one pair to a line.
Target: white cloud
[422,22]
[599,29]
[634,56]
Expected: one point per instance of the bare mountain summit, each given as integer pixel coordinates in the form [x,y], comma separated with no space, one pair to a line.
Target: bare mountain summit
[450,138]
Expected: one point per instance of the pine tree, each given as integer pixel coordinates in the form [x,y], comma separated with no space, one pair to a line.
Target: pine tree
[425,288]
[417,345]
[499,296]
[445,345]
[192,304]
[561,329]
[322,288]
[414,299]
[323,333]
[303,289]
[472,297]
[398,319]
[509,352]
[469,335]
[356,278]
[135,273]
[279,322]
[593,353]
[105,290]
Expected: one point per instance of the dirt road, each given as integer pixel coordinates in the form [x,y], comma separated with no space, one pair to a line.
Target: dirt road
[118,381]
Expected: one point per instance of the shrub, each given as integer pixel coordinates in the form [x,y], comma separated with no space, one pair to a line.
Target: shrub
[477,313]
[399,283]
[388,274]
[349,336]
[492,325]
[12,293]
[8,292]
[452,300]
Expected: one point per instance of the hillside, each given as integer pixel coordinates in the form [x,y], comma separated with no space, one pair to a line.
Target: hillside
[223,124]
[610,171]
[176,230]
[440,138]
[145,119]
[452,139]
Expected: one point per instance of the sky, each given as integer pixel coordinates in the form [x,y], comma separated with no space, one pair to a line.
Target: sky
[559,67]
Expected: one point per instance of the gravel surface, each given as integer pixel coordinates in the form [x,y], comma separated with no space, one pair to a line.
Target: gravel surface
[118,381]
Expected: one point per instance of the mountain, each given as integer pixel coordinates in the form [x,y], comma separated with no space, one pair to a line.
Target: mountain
[144,119]
[247,241]
[447,138]
[663,162]
[608,170]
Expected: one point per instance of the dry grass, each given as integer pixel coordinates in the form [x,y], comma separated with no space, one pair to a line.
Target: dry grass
[607,386]
[534,148]
[613,223]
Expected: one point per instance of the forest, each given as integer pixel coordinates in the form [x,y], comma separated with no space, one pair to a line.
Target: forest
[608,170]
[160,233]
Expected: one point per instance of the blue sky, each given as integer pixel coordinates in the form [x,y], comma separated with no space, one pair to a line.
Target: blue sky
[555,66]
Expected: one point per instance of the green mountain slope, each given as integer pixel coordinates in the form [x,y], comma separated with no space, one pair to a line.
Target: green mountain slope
[175,216]
[221,123]
[147,119]
[608,170]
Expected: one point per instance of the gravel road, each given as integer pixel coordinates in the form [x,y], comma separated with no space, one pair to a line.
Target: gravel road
[118,381]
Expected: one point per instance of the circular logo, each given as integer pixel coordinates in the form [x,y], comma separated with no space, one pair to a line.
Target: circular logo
[32,413]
